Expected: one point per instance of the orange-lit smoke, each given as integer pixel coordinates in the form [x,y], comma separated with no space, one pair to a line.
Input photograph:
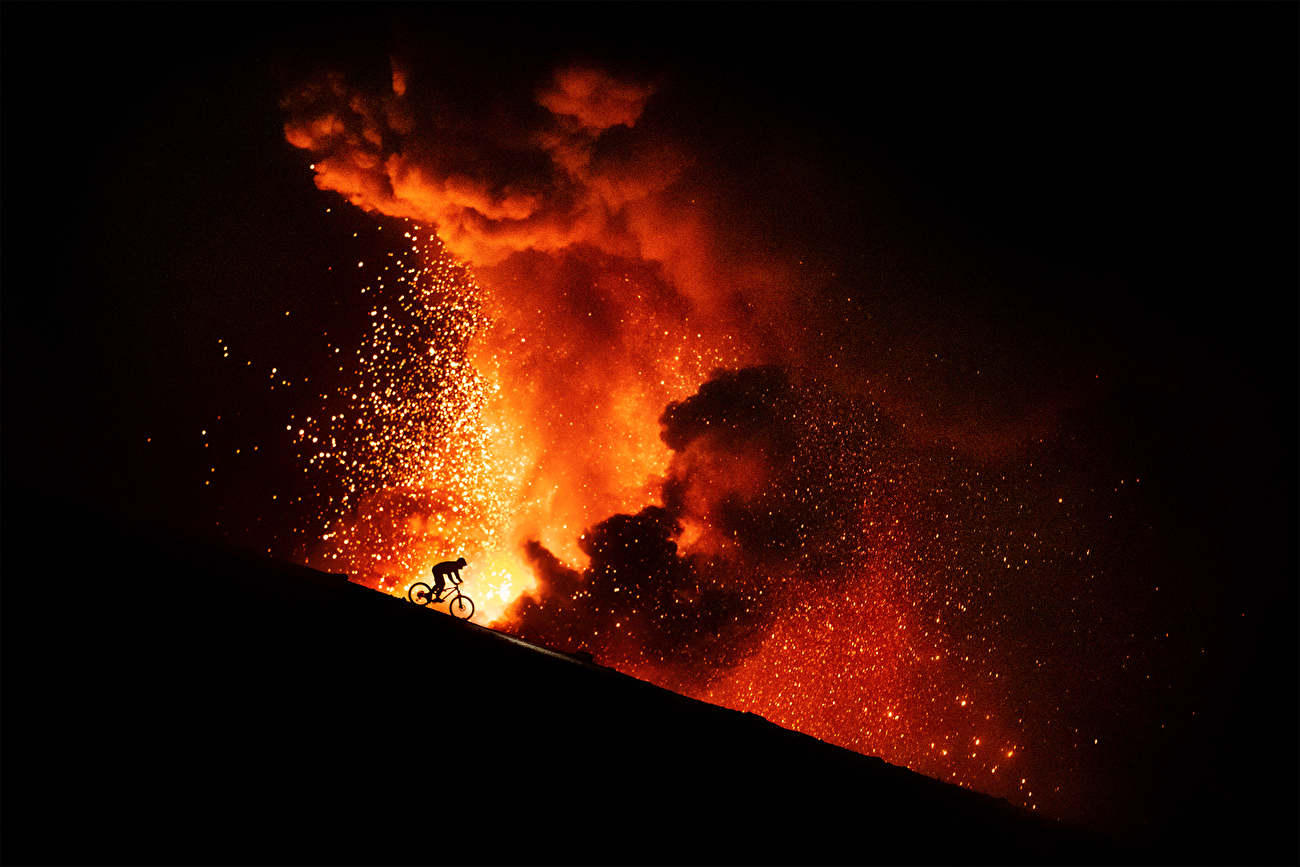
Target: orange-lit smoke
[582,169]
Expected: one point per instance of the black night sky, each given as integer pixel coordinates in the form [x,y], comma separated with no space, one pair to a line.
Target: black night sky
[1054,244]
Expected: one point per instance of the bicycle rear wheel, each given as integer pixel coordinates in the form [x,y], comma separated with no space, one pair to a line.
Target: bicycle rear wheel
[461,607]
[420,593]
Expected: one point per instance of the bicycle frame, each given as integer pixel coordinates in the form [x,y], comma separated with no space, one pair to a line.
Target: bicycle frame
[458,604]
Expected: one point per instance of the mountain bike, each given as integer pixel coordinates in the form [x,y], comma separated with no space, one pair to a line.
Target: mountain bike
[458,604]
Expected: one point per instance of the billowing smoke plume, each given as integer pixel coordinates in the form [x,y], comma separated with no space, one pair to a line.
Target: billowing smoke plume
[616,228]
[582,162]
[492,185]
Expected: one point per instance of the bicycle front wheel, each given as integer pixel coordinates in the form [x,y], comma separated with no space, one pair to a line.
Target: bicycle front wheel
[461,607]
[420,593]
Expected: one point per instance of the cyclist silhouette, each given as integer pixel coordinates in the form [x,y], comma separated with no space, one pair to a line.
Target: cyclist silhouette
[450,568]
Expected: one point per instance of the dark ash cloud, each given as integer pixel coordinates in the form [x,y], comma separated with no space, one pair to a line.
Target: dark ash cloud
[772,489]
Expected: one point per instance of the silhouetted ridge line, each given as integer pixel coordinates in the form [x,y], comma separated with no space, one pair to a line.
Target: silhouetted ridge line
[211,706]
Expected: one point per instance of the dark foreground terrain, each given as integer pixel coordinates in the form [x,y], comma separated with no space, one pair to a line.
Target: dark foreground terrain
[170,702]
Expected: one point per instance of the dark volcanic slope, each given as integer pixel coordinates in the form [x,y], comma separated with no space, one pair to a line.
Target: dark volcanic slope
[176,703]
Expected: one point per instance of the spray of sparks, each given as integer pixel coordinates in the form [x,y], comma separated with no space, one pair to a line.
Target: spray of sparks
[435,460]
[406,442]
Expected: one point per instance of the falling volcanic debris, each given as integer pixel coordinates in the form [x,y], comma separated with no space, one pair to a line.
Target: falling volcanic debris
[643,438]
